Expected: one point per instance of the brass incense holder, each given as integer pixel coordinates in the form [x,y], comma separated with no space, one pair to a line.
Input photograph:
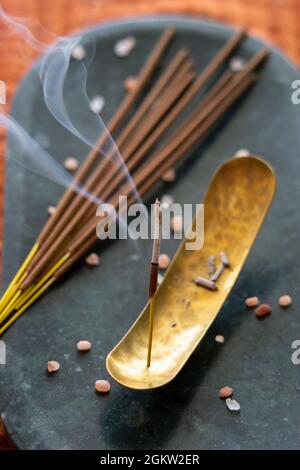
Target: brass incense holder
[236,203]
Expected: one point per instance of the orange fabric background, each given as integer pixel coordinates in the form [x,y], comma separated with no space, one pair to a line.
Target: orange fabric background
[277,21]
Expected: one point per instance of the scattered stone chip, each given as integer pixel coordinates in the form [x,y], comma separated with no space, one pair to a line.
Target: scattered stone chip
[79,52]
[97,104]
[84,345]
[219,339]
[242,153]
[225,392]
[53,366]
[285,301]
[232,405]
[130,83]
[263,310]
[252,302]
[102,386]
[124,46]
[163,261]
[166,201]
[236,64]
[177,223]
[169,176]
[71,164]
[51,210]
[92,260]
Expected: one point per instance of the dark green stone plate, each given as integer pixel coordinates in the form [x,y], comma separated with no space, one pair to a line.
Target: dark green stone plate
[63,411]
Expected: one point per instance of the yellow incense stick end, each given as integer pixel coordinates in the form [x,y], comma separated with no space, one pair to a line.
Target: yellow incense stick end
[10,306]
[13,290]
[12,287]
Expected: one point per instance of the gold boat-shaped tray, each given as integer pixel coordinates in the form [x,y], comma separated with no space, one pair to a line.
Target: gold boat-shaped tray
[236,203]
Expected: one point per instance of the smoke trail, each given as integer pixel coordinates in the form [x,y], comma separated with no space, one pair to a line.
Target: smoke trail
[34,157]
[54,68]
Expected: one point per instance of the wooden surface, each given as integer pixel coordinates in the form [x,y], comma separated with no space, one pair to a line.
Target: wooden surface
[277,21]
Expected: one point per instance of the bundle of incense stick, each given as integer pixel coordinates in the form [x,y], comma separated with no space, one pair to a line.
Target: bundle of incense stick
[148,151]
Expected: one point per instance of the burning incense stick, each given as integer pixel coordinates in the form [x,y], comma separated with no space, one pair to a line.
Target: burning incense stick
[154,273]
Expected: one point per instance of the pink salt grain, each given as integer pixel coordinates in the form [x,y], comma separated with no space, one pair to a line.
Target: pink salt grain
[285,301]
[71,164]
[84,346]
[166,201]
[225,392]
[176,223]
[242,153]
[78,52]
[51,210]
[252,302]
[163,261]
[169,176]
[53,366]
[263,310]
[130,83]
[232,405]
[219,339]
[92,259]
[124,46]
[102,386]
[236,64]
